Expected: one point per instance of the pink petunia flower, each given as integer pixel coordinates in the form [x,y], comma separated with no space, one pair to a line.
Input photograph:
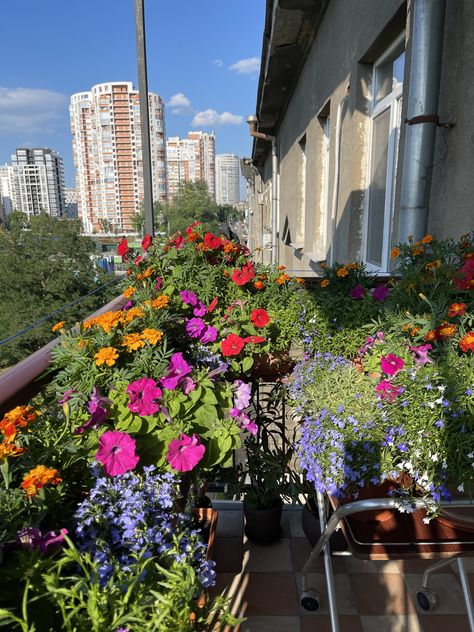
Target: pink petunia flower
[388,391]
[143,393]
[98,408]
[244,420]
[200,309]
[421,354]
[209,335]
[391,364]
[178,368]
[241,394]
[116,452]
[185,453]
[188,297]
[187,385]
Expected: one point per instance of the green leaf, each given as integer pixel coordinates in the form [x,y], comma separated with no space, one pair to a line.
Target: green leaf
[247,364]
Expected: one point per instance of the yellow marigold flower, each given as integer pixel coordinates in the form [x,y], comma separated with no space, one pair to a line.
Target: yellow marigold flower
[325,282]
[81,344]
[395,252]
[108,320]
[230,247]
[133,342]
[10,449]
[299,280]
[467,342]
[258,285]
[88,323]
[58,326]
[445,331]
[152,335]
[129,292]
[342,272]
[427,239]
[433,265]
[353,266]
[108,355]
[161,301]
[38,477]
[147,273]
[282,279]
[417,250]
[134,312]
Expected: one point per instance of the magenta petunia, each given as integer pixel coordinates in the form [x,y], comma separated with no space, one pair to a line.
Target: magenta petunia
[421,354]
[187,385]
[391,364]
[244,420]
[143,393]
[116,452]
[195,327]
[209,335]
[98,408]
[388,391]
[200,309]
[358,292]
[188,297]
[158,283]
[380,293]
[185,453]
[178,368]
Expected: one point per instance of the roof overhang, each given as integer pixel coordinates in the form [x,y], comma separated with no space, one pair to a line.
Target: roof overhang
[290,29]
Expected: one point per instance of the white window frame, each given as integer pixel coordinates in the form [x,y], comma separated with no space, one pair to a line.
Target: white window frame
[392,101]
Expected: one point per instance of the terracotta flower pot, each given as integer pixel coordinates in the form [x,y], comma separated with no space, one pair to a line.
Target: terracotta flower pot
[376,491]
[272,365]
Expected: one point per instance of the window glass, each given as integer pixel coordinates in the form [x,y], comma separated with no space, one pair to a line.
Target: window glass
[389,73]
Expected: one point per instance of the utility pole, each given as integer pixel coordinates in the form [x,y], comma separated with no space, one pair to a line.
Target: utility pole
[144,116]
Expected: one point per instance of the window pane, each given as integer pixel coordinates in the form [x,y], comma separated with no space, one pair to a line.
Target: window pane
[389,74]
[378,181]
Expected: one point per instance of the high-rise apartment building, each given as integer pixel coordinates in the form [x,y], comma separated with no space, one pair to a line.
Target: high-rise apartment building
[191,159]
[6,189]
[227,179]
[107,149]
[37,181]
[70,198]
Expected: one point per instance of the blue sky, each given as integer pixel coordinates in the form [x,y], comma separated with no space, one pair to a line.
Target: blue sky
[204,53]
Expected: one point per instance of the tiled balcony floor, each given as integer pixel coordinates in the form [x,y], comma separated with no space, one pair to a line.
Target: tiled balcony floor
[371,596]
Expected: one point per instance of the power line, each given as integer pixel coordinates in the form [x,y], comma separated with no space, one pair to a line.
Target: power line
[57,311]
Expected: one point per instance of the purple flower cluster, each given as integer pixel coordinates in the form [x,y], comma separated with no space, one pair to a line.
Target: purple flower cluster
[134,514]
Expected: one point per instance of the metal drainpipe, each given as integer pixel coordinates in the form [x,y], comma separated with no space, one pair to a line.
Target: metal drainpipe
[422,116]
[252,121]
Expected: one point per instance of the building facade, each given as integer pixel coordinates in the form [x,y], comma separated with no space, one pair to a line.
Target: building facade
[366,103]
[227,179]
[107,150]
[6,189]
[191,159]
[70,198]
[35,182]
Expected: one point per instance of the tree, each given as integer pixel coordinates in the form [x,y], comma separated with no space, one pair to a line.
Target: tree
[45,263]
[193,203]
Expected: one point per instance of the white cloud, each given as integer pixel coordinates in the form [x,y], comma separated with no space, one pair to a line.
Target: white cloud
[31,110]
[218,62]
[211,118]
[249,66]
[179,104]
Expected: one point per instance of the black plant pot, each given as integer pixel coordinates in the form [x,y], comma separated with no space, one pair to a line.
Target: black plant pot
[312,529]
[263,525]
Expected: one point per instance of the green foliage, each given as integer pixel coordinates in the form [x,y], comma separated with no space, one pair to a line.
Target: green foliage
[45,263]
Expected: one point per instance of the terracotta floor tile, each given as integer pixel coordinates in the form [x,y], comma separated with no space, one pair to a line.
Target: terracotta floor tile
[272,594]
[443,622]
[300,551]
[344,598]
[417,566]
[357,565]
[381,594]
[322,623]
[392,623]
[270,624]
[446,587]
[268,558]
[228,555]
[294,520]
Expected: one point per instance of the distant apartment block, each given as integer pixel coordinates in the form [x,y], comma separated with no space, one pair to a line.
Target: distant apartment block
[6,190]
[227,179]
[191,159]
[70,198]
[35,182]
[107,150]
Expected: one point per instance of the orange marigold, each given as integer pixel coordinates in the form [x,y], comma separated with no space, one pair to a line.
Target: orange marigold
[107,355]
[445,331]
[417,250]
[147,273]
[152,335]
[457,309]
[38,477]
[282,279]
[258,285]
[299,280]
[129,292]
[58,326]
[160,301]
[226,273]
[427,239]
[18,417]
[433,265]
[342,271]
[133,312]
[467,342]
[10,449]
[202,247]
[353,265]
[325,282]
[395,252]
[230,247]
[107,321]
[133,342]
[282,267]
[431,335]
[81,344]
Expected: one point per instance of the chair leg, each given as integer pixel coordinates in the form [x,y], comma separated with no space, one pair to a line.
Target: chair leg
[435,567]
[466,592]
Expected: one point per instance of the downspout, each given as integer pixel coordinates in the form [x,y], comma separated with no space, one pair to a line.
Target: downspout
[252,121]
[422,116]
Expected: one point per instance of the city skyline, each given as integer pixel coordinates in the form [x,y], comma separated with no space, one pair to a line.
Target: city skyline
[207,77]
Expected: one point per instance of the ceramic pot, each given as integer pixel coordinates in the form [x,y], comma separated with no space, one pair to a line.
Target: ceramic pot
[263,525]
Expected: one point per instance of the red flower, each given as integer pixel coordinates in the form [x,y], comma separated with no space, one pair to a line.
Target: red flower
[146,242]
[232,345]
[254,339]
[138,260]
[178,241]
[212,241]
[190,229]
[212,305]
[259,317]
[122,248]
[467,342]
[243,276]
